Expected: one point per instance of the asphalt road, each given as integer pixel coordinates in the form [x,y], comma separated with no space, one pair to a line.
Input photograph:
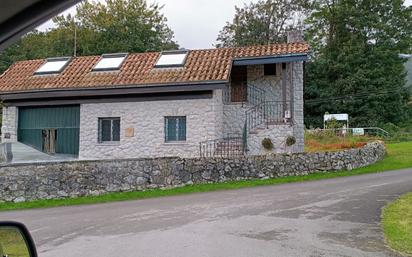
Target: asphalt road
[336,217]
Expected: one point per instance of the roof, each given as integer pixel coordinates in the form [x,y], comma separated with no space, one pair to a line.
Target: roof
[209,65]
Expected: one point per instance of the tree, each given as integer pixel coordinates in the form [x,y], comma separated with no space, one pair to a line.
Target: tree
[356,67]
[264,22]
[114,26]
[119,26]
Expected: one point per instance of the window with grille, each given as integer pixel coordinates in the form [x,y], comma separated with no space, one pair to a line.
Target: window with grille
[175,129]
[109,130]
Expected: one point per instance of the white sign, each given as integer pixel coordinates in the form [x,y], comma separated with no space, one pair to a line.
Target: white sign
[342,116]
[358,131]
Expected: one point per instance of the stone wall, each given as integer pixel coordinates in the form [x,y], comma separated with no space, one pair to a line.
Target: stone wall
[146,120]
[22,182]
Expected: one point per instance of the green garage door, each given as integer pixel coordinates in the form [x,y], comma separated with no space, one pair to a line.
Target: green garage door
[37,122]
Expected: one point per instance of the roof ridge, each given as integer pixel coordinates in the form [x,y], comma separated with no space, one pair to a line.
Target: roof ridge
[189,50]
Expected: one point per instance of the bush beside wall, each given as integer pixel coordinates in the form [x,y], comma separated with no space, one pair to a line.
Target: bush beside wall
[25,182]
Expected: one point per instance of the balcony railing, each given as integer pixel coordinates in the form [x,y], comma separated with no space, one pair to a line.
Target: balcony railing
[268,113]
[244,94]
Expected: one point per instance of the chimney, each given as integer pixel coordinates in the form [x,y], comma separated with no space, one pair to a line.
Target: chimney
[295,36]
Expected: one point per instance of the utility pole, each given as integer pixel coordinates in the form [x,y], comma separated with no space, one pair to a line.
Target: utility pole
[75,38]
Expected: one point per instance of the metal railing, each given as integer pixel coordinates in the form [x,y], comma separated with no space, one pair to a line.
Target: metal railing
[361,131]
[231,146]
[246,94]
[263,112]
[268,113]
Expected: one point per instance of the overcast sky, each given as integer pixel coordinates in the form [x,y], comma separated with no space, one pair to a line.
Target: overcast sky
[196,23]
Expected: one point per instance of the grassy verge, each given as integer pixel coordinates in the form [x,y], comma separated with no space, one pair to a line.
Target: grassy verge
[12,244]
[398,158]
[397,224]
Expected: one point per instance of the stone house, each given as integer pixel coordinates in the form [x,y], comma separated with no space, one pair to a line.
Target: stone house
[188,103]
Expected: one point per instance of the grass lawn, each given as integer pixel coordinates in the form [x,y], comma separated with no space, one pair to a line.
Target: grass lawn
[12,243]
[397,224]
[399,157]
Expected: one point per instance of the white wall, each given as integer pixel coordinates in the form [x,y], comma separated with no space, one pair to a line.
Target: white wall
[147,120]
[298,113]
[9,124]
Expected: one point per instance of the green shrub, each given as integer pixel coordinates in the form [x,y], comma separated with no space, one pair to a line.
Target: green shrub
[290,140]
[267,143]
[390,127]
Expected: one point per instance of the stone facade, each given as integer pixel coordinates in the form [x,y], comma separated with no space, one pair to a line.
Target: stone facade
[22,182]
[207,119]
[298,108]
[147,119]
[234,114]
[234,118]
[277,134]
[271,84]
[9,124]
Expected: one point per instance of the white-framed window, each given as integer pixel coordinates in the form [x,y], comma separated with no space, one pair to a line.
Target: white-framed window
[172,59]
[53,66]
[109,130]
[110,62]
[175,128]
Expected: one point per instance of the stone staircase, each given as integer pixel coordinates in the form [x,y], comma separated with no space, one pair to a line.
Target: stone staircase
[261,117]
[267,114]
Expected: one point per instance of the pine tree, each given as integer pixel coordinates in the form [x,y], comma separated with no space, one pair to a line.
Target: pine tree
[356,67]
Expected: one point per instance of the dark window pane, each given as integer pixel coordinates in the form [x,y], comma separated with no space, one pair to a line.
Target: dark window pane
[106,130]
[182,129]
[171,129]
[270,69]
[116,130]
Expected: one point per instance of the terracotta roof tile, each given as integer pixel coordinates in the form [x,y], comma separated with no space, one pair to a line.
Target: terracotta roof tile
[137,69]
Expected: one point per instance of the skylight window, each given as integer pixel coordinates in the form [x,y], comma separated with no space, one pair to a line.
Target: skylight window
[110,62]
[172,59]
[53,66]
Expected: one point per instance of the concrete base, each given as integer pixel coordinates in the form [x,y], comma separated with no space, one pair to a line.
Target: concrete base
[25,154]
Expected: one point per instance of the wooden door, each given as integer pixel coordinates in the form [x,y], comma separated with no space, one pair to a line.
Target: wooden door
[238,85]
[49,140]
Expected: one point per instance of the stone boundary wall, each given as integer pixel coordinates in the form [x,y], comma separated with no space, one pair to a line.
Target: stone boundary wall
[25,182]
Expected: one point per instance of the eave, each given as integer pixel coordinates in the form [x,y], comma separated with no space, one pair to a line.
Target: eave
[270,59]
[110,91]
